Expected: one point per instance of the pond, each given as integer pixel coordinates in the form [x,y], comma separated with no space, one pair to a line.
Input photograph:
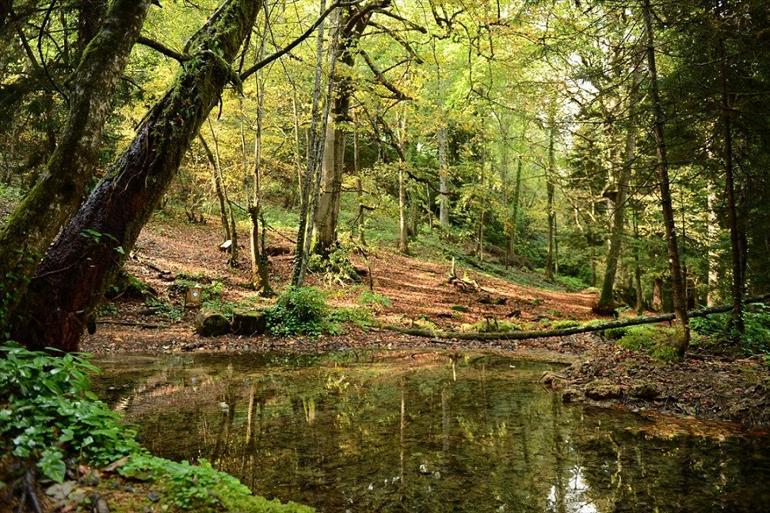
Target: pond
[425,432]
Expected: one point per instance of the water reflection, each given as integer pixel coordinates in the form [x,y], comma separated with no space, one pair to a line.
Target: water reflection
[422,433]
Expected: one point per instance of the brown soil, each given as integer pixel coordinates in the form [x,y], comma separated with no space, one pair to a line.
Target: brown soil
[706,386]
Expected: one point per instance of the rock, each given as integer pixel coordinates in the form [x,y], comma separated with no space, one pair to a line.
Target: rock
[60,491]
[644,390]
[603,390]
[249,323]
[211,324]
[101,506]
[571,395]
[153,497]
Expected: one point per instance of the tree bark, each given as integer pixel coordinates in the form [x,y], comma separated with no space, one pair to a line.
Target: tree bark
[57,195]
[327,213]
[677,282]
[93,245]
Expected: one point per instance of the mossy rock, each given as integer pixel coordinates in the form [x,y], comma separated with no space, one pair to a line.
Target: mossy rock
[249,322]
[644,390]
[211,324]
[603,390]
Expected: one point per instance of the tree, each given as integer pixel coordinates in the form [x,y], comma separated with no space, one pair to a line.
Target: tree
[89,251]
[677,282]
[59,192]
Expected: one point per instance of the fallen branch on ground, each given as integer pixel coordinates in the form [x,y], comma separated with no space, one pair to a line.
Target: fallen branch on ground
[524,335]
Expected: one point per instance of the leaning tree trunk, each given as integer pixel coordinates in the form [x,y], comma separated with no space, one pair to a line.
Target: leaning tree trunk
[606,298]
[677,282]
[91,248]
[56,197]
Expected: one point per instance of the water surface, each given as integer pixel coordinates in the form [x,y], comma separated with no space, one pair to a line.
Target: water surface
[424,432]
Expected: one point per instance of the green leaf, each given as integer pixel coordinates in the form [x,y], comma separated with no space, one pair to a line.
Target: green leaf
[52,465]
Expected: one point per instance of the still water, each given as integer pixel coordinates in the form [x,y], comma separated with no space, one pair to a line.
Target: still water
[365,432]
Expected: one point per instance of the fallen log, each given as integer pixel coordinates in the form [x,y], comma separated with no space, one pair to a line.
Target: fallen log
[525,335]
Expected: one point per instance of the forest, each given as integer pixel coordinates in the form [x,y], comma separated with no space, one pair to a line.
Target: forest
[384,255]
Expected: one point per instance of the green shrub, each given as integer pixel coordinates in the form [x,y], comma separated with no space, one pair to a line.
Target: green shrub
[653,340]
[756,337]
[360,317]
[298,311]
[48,413]
[164,309]
[571,283]
[335,268]
[370,298]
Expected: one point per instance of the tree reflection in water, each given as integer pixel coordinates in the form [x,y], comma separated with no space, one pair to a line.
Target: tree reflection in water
[427,432]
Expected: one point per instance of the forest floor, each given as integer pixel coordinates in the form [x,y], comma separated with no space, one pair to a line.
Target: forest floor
[705,385]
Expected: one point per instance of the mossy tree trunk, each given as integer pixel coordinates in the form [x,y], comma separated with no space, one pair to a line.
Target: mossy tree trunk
[59,192]
[76,269]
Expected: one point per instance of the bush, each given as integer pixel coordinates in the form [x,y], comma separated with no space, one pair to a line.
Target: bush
[653,340]
[48,413]
[756,338]
[298,311]
[334,268]
[370,298]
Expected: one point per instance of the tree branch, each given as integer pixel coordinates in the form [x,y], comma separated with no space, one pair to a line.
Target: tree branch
[288,48]
[165,50]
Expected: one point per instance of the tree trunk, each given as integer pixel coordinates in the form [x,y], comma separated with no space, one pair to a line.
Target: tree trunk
[736,320]
[361,218]
[230,217]
[403,235]
[606,299]
[77,268]
[57,195]
[680,306]
[443,178]
[219,189]
[298,271]
[515,213]
[549,186]
[327,213]
[257,239]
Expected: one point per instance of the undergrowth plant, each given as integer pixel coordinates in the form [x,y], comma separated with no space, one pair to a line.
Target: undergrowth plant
[51,421]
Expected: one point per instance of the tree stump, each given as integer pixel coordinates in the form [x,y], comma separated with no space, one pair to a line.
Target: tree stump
[211,324]
[250,323]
